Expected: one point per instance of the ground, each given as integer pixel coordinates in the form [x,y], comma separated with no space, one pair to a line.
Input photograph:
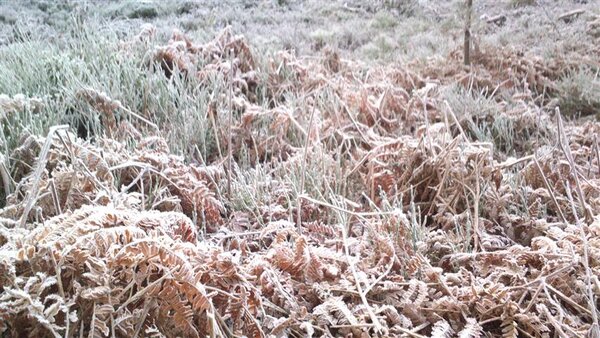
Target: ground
[299,168]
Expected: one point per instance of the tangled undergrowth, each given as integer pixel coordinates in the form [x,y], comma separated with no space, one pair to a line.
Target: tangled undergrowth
[342,201]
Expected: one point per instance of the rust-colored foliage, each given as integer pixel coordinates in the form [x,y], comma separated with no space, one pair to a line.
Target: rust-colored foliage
[415,228]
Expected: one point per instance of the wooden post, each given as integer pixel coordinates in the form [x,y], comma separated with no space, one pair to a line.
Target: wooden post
[467,46]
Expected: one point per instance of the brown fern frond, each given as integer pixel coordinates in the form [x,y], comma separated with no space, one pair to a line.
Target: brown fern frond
[436,202]
[509,329]
[334,311]
[154,253]
[472,329]
[293,261]
[442,329]
[100,324]
[174,314]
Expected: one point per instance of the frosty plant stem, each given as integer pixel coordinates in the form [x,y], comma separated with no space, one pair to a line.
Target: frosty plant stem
[5,177]
[589,218]
[37,174]
[230,122]
[302,172]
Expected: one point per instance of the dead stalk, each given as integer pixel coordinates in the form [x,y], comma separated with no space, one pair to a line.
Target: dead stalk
[229,124]
[32,194]
[55,198]
[350,212]
[460,129]
[303,173]
[211,115]
[477,196]
[565,147]
[597,152]
[589,218]
[5,177]
[550,190]
[377,326]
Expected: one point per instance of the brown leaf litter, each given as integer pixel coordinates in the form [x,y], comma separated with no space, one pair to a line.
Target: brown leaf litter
[435,233]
